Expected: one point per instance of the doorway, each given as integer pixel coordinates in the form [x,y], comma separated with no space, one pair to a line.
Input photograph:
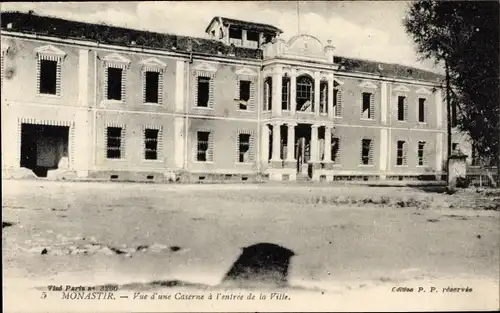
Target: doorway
[302,147]
[42,147]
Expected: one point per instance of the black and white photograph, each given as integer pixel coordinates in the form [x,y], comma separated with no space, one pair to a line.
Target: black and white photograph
[250,156]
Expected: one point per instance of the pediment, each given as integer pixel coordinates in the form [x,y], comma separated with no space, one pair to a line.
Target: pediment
[424,91]
[305,45]
[50,50]
[367,84]
[116,58]
[402,88]
[205,67]
[153,62]
[246,72]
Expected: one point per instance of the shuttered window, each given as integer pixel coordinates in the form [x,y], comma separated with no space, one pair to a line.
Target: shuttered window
[422,110]
[115,143]
[402,153]
[367,105]
[402,108]
[245,147]
[366,152]
[204,89]
[204,146]
[152,138]
[421,153]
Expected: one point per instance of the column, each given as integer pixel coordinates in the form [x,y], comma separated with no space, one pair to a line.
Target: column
[316,92]
[328,144]
[277,81]
[179,134]
[293,91]
[383,103]
[330,96]
[261,39]
[179,86]
[314,143]
[439,108]
[244,37]
[276,142]
[264,144]
[83,118]
[439,152]
[291,142]
[384,150]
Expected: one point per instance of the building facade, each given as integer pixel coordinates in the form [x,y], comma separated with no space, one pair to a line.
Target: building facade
[84,100]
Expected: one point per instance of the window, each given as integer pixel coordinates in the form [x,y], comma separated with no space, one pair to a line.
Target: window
[243,148]
[203,146]
[366,109]
[203,91]
[235,33]
[335,150]
[366,152]
[401,153]
[421,110]
[454,146]
[114,91]
[401,108]
[421,153]
[323,103]
[268,94]
[152,88]
[114,143]
[245,90]
[285,94]
[151,144]
[305,94]
[48,77]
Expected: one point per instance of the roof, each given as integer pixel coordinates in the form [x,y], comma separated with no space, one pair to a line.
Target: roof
[57,27]
[51,26]
[246,25]
[385,69]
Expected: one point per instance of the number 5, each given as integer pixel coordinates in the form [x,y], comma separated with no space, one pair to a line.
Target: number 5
[44,295]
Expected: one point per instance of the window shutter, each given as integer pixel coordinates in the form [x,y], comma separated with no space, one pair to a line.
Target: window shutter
[39,73]
[210,152]
[405,153]
[405,108]
[160,88]
[124,85]
[195,97]
[160,143]
[370,154]
[238,146]
[105,150]
[251,101]
[58,78]
[338,111]
[372,106]
[194,146]
[106,96]
[3,69]
[143,138]
[211,92]
[361,153]
[144,74]
[252,147]
[359,104]
[122,145]
[237,91]
[425,111]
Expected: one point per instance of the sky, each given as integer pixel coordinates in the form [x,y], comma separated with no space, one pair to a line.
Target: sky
[370,30]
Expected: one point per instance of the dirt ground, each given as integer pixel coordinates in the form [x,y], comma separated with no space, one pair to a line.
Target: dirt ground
[349,242]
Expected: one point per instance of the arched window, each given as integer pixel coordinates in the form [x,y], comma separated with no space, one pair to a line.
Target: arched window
[305,93]
[285,94]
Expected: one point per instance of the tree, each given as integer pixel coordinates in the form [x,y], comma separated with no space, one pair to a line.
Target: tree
[464,36]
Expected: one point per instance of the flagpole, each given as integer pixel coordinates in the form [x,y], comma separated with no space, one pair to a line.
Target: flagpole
[298,19]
